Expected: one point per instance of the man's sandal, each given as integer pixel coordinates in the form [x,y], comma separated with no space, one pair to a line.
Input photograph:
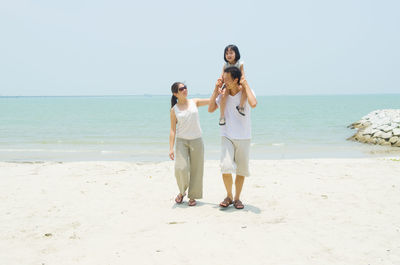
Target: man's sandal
[226,202]
[238,204]
[192,202]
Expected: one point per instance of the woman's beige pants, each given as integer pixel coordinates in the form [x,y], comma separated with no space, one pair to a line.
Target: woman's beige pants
[189,164]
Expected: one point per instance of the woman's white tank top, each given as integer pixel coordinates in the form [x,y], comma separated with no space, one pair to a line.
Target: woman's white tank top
[188,123]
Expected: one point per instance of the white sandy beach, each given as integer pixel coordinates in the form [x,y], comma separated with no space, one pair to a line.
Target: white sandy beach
[316,211]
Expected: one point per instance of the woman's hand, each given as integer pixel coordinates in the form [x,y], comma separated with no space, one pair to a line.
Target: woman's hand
[171,154]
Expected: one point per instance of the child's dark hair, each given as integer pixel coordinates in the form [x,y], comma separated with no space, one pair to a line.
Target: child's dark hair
[235,73]
[233,48]
[174,89]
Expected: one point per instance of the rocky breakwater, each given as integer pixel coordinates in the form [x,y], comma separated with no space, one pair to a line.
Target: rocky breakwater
[378,127]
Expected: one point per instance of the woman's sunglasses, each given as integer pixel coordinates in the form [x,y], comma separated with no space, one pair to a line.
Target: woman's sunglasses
[182,88]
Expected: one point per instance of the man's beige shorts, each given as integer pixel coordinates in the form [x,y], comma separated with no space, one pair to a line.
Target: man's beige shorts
[235,156]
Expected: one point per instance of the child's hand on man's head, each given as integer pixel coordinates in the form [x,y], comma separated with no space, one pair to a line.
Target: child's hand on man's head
[219,83]
[242,81]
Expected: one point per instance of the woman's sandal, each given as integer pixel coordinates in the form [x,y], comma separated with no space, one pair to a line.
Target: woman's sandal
[238,204]
[179,198]
[240,110]
[226,202]
[192,202]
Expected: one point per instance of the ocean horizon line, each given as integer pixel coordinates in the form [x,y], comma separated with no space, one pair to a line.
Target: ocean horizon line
[194,94]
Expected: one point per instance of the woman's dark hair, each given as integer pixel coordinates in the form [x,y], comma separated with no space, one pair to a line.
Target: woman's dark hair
[233,48]
[235,73]
[174,89]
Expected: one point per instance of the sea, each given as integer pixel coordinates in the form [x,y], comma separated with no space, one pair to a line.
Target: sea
[136,128]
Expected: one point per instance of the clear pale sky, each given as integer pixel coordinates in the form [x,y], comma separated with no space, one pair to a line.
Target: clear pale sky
[95,47]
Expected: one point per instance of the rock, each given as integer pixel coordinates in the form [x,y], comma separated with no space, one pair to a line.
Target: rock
[380,141]
[378,134]
[354,125]
[378,127]
[351,138]
[361,139]
[386,135]
[367,138]
[397,144]
[370,131]
[387,128]
[359,125]
[358,136]
[366,124]
[380,124]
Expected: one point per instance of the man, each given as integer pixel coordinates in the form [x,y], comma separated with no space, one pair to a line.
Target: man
[235,134]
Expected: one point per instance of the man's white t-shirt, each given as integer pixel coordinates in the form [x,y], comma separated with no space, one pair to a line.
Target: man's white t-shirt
[237,126]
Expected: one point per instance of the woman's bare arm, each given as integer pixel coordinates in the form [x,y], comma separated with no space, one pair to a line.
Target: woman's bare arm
[201,101]
[172,133]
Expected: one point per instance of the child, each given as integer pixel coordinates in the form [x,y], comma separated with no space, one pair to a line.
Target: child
[232,58]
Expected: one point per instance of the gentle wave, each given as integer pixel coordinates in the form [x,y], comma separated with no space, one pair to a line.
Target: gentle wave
[45,150]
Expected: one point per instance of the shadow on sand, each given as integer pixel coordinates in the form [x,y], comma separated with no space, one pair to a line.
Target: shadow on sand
[229,209]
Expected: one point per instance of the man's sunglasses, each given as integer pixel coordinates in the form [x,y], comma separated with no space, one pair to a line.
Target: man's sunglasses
[182,88]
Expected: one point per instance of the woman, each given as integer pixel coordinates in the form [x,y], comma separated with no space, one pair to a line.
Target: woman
[189,149]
